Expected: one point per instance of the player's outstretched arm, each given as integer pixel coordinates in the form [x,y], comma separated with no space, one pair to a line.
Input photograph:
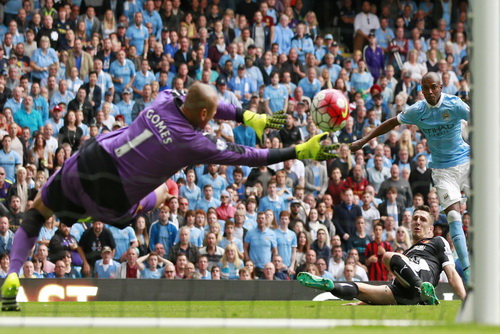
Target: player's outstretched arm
[259,122]
[455,281]
[313,149]
[383,128]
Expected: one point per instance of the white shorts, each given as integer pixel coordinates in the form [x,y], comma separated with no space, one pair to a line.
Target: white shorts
[450,182]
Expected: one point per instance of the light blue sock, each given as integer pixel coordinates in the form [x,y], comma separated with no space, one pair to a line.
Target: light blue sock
[460,243]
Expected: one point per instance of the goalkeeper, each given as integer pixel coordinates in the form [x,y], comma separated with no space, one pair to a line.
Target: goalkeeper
[120,174]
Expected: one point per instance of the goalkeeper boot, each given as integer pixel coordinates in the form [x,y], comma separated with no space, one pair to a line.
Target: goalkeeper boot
[428,294]
[10,289]
[315,282]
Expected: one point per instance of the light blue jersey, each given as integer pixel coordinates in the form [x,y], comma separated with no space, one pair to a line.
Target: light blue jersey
[441,124]
[287,240]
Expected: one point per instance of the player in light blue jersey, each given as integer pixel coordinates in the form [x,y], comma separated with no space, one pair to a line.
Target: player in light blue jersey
[440,117]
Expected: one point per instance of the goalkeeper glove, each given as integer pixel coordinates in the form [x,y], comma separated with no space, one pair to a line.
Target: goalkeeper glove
[259,122]
[312,149]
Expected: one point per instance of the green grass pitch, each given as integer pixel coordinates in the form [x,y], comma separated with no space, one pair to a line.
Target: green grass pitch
[443,315]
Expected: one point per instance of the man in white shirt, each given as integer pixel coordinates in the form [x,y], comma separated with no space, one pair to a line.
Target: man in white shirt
[363,23]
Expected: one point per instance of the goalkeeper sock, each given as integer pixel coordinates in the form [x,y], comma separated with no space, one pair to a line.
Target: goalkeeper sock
[345,290]
[404,272]
[24,239]
[458,237]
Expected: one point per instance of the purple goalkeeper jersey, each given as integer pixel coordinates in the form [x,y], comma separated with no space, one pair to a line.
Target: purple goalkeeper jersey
[161,141]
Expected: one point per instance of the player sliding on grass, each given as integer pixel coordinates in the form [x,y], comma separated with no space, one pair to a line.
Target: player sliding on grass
[417,271]
[440,118]
[120,174]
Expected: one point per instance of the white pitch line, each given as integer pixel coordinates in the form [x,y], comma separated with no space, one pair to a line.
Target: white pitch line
[202,322]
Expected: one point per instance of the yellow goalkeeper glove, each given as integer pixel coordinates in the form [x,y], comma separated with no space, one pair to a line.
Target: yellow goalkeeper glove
[312,149]
[259,122]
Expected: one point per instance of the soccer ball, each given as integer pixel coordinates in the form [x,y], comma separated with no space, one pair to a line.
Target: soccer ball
[330,110]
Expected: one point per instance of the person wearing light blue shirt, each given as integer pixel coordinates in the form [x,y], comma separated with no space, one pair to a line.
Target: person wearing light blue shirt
[162,231]
[130,7]
[310,84]
[142,78]
[43,58]
[124,239]
[384,34]
[106,267]
[61,95]
[122,71]
[283,35]
[302,42]
[275,95]
[190,190]
[207,201]
[9,159]
[234,57]
[272,201]
[242,86]
[28,117]
[254,73]
[40,103]
[286,240]
[13,104]
[363,80]
[212,178]
[125,106]
[440,118]
[260,243]
[150,15]
[137,34]
[333,68]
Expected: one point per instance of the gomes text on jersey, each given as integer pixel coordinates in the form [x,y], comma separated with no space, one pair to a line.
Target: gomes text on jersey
[160,124]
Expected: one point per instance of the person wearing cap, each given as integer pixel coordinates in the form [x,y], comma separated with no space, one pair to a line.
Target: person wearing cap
[374,56]
[126,105]
[242,86]
[106,267]
[283,35]
[224,94]
[225,210]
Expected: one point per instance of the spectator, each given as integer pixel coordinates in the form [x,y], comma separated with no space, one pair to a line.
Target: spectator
[283,35]
[62,95]
[162,231]
[344,217]
[124,239]
[122,72]
[141,103]
[81,59]
[28,117]
[374,253]
[106,267]
[260,245]
[184,247]
[43,256]
[272,201]
[62,243]
[141,234]
[322,244]
[131,268]
[9,159]
[310,84]
[6,236]
[402,186]
[91,245]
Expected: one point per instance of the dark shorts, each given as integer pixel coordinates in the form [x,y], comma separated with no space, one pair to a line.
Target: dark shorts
[405,296]
[89,184]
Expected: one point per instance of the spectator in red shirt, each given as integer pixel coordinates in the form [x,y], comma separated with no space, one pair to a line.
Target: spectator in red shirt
[374,253]
[356,182]
[225,210]
[335,186]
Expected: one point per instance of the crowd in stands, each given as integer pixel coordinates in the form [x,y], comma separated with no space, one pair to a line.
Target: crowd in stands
[71,70]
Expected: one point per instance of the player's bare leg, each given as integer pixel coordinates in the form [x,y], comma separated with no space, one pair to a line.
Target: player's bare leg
[26,237]
[368,294]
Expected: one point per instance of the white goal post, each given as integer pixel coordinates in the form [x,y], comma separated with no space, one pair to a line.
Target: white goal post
[484,307]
